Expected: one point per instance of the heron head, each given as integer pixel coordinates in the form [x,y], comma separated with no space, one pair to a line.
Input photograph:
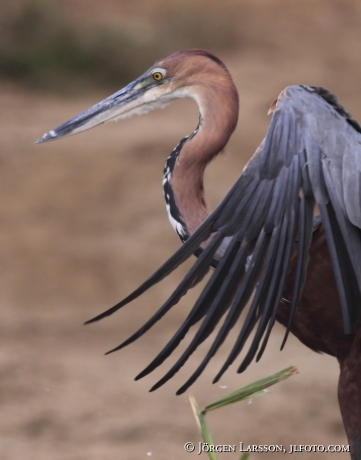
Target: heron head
[181,74]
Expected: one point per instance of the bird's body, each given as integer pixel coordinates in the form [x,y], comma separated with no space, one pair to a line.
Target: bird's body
[263,240]
[318,321]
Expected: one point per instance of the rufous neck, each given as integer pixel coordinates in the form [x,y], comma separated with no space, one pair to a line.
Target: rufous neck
[218,106]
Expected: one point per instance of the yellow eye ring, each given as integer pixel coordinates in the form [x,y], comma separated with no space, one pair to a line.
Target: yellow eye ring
[157,76]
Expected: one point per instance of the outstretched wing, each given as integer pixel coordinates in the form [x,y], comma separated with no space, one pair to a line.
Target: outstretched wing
[311,154]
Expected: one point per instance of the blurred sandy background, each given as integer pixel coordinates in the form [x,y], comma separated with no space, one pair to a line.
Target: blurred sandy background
[83,223]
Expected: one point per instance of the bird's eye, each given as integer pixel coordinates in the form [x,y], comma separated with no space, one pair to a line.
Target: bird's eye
[157,76]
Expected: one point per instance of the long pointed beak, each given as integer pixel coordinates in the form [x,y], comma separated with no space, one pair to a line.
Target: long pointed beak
[122,104]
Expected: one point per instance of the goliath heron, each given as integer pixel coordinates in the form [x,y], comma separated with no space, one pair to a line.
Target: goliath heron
[287,235]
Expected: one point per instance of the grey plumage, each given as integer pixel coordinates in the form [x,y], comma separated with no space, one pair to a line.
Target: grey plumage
[298,163]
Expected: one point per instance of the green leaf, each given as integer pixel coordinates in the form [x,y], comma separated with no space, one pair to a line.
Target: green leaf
[249,391]
[202,426]
[254,389]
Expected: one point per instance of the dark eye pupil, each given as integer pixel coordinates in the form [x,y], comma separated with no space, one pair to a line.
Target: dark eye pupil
[157,76]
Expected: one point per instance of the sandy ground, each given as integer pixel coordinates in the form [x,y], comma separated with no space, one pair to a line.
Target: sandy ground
[83,223]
